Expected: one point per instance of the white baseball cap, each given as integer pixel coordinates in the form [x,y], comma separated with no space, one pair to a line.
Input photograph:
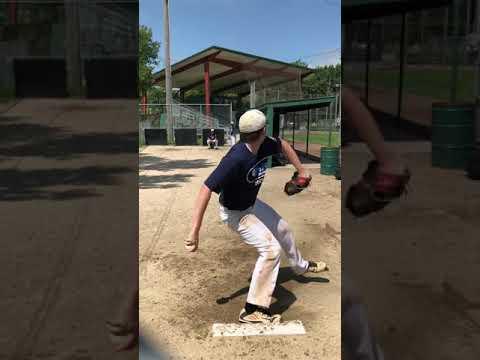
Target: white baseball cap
[251,121]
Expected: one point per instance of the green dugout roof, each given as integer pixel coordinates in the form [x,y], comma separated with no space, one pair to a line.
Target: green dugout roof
[297,105]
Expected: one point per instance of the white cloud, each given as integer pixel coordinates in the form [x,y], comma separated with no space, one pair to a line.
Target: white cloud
[332,58]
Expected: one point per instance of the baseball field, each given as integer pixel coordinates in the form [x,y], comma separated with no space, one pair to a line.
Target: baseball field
[315,137]
[432,81]
[183,294]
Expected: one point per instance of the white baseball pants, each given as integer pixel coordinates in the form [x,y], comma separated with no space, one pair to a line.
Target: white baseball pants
[212,141]
[263,228]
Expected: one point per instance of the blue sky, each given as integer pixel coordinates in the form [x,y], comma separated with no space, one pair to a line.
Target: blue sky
[280,29]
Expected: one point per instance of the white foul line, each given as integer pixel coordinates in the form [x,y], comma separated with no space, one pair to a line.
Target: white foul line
[286,328]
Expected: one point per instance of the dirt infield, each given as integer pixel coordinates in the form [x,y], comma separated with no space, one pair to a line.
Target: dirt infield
[183,294]
[64,164]
[413,262]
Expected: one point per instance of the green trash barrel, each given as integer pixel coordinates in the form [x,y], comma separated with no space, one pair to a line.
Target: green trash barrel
[329,160]
[453,135]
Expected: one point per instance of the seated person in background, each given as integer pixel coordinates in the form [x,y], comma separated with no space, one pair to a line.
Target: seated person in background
[232,134]
[212,139]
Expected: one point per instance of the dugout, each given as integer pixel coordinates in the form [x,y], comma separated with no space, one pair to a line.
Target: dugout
[217,71]
[275,111]
[226,83]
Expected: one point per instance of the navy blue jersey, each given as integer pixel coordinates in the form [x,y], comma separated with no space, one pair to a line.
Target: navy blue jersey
[240,174]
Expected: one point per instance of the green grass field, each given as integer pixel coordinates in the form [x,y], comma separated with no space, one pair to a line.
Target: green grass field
[316,137]
[423,81]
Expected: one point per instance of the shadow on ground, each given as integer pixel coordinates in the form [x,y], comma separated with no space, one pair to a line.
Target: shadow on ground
[66,147]
[162,181]
[13,130]
[149,162]
[21,137]
[28,139]
[284,297]
[19,185]
[157,163]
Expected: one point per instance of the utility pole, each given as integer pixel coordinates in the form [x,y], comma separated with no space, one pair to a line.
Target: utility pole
[456,50]
[476,30]
[168,72]
[252,94]
[72,48]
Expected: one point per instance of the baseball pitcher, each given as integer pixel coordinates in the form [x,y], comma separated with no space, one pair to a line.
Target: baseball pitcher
[237,179]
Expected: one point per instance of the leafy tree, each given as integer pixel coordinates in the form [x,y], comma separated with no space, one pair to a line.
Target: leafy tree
[300,63]
[156,94]
[322,82]
[147,59]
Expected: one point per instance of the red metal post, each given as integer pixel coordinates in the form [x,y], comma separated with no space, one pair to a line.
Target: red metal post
[144,103]
[13,12]
[206,79]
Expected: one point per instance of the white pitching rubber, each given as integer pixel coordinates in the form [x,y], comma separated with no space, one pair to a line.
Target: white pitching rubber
[294,327]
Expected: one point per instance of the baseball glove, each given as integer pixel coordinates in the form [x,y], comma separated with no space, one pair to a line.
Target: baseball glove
[375,190]
[296,184]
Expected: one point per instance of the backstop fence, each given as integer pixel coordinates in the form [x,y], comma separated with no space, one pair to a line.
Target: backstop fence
[185,117]
[307,131]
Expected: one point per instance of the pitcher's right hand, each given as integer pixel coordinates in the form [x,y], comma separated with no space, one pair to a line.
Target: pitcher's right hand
[191,243]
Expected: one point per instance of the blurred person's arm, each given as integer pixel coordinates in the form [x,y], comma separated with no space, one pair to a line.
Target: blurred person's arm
[361,119]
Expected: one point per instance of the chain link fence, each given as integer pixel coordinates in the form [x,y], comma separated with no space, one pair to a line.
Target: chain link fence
[185,116]
[308,131]
[402,63]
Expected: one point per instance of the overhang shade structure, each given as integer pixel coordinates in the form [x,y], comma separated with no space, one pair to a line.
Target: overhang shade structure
[218,70]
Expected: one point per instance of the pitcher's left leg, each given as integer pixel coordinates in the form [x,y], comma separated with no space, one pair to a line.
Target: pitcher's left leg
[283,233]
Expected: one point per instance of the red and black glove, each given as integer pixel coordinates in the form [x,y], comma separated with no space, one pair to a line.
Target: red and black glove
[375,190]
[297,184]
